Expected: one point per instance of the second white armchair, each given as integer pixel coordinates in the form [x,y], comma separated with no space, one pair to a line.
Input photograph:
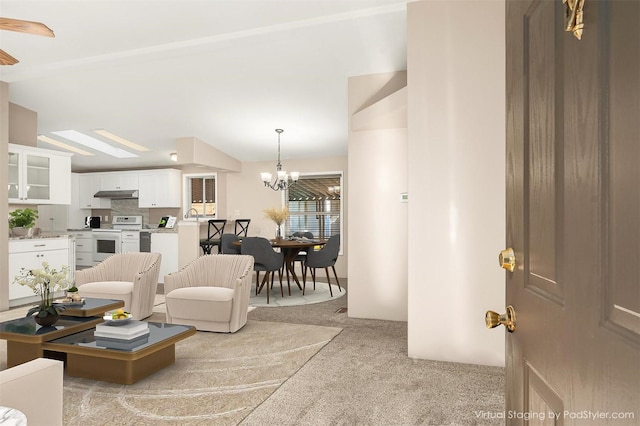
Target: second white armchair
[211,293]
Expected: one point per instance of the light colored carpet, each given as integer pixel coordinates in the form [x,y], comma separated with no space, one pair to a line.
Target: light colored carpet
[364,377]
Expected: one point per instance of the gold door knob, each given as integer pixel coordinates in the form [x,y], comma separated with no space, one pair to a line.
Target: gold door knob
[493,319]
[507,259]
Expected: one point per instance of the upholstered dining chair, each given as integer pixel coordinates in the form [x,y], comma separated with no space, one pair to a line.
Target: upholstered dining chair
[211,293]
[214,234]
[302,255]
[323,258]
[130,277]
[265,259]
[227,244]
[242,227]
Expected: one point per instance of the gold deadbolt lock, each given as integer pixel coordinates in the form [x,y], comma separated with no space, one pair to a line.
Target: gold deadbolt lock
[507,259]
[508,319]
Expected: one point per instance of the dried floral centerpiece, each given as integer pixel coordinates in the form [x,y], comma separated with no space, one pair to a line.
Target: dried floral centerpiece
[44,282]
[278,216]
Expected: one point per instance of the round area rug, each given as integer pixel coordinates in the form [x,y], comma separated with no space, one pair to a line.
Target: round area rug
[321,294]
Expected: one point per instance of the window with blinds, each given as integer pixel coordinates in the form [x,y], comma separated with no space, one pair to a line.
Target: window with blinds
[202,194]
[315,206]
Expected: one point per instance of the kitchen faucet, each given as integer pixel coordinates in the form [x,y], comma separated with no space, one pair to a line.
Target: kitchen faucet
[188,215]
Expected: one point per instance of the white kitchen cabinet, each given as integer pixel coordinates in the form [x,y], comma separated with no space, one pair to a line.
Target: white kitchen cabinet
[84,247]
[159,188]
[38,176]
[165,243]
[29,254]
[130,241]
[61,217]
[89,184]
[113,181]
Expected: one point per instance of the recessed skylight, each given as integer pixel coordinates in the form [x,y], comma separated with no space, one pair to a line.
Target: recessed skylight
[120,140]
[94,143]
[47,139]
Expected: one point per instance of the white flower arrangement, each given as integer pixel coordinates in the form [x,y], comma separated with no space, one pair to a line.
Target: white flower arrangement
[44,282]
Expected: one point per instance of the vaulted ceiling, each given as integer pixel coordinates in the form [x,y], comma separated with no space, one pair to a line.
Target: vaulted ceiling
[227,72]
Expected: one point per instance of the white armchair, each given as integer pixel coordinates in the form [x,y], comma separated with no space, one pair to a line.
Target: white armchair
[131,277]
[35,389]
[211,293]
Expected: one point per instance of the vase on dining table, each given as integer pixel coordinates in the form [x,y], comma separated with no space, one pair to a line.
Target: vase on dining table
[278,232]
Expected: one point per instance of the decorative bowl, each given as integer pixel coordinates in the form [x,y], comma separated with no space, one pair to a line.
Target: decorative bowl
[117,321]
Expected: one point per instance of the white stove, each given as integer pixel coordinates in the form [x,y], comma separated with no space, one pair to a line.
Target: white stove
[123,237]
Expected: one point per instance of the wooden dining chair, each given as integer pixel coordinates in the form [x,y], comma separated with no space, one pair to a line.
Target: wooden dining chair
[242,227]
[214,234]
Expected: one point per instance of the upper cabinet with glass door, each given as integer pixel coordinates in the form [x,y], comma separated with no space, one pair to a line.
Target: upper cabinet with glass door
[39,176]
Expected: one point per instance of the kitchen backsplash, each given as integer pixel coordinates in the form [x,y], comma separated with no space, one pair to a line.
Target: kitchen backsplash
[150,217]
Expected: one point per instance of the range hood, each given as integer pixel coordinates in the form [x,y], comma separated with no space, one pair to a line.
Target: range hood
[117,194]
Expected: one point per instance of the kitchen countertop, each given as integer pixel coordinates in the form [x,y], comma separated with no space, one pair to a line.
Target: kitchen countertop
[163,230]
[40,237]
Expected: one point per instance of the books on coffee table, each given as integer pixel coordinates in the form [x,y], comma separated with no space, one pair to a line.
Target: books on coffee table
[127,331]
[122,344]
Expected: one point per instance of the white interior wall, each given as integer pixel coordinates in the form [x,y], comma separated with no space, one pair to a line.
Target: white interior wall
[456,169]
[377,217]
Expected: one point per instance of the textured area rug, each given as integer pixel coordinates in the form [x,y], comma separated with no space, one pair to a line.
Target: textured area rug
[320,294]
[217,379]
[311,296]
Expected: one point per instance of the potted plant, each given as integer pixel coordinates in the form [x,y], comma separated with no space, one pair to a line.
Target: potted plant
[72,293]
[22,220]
[44,282]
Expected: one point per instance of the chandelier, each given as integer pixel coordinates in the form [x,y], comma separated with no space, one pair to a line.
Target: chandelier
[283,180]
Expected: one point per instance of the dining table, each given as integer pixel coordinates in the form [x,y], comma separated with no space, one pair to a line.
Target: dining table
[290,249]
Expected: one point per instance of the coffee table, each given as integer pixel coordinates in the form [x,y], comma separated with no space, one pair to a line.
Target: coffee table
[71,339]
[91,360]
[25,338]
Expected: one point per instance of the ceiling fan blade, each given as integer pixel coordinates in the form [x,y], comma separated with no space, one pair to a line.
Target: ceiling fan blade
[6,59]
[29,27]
